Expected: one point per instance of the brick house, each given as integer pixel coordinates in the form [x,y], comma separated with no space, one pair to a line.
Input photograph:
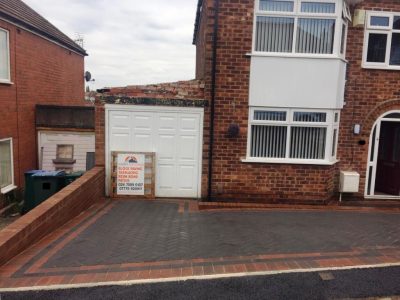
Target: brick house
[38,65]
[294,92]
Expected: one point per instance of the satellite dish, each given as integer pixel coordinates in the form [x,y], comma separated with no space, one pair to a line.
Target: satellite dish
[88,76]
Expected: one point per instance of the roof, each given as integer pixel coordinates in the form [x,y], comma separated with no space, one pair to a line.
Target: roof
[188,93]
[55,116]
[19,13]
[187,90]
[198,19]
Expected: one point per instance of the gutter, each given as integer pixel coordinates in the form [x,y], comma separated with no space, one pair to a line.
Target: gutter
[213,92]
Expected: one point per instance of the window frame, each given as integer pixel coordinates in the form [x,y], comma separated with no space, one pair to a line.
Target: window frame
[7,80]
[11,186]
[331,125]
[58,146]
[296,14]
[388,30]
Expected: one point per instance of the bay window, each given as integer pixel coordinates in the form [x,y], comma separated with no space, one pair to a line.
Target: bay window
[4,56]
[300,27]
[6,166]
[382,41]
[292,135]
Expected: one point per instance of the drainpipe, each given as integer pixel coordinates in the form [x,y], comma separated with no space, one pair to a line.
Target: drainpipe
[213,92]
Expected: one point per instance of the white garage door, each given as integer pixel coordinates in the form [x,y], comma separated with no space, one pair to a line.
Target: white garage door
[174,134]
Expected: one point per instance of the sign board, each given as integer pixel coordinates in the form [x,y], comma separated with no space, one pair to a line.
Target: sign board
[130,174]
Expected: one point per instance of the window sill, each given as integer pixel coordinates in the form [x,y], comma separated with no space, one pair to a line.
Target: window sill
[289,162]
[380,67]
[8,189]
[64,161]
[6,82]
[297,55]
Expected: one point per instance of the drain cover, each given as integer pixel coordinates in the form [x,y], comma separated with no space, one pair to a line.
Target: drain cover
[326,276]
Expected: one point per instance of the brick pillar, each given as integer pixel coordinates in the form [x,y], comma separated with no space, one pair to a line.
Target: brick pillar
[100,132]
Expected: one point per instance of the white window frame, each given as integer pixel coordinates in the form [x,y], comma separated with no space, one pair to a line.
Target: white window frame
[7,80]
[11,186]
[296,14]
[380,30]
[330,125]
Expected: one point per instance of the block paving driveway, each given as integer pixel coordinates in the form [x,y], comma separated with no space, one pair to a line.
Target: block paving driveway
[134,240]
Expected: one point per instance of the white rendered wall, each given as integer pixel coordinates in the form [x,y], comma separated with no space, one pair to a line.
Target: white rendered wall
[48,141]
[297,82]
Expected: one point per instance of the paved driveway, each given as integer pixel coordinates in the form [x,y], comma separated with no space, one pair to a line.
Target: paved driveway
[141,239]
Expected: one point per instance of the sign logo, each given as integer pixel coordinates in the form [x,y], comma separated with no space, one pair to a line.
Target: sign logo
[131,159]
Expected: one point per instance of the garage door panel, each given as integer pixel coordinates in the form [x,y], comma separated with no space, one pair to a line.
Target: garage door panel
[120,133]
[143,121]
[142,130]
[166,174]
[166,147]
[187,175]
[188,147]
[189,123]
[142,143]
[167,122]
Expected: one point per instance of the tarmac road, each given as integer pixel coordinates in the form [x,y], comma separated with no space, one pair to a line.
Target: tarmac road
[343,284]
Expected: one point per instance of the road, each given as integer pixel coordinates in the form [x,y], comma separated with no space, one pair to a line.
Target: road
[343,284]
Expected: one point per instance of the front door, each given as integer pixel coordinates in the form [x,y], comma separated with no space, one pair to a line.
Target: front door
[388,163]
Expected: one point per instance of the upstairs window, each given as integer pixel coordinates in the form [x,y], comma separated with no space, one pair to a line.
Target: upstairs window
[305,27]
[6,166]
[382,41]
[4,56]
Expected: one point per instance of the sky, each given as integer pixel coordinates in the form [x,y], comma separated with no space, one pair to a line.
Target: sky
[129,41]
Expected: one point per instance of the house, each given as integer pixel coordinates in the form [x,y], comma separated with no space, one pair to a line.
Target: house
[296,97]
[66,139]
[38,65]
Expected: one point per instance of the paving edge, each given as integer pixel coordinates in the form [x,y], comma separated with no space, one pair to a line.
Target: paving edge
[228,206]
[202,277]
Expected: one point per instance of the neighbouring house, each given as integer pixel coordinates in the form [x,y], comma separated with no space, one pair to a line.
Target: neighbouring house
[296,101]
[38,65]
[66,140]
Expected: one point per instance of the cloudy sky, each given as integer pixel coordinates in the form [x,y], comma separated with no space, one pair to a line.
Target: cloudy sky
[129,41]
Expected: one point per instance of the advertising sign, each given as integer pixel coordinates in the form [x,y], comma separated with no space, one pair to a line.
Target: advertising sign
[130,174]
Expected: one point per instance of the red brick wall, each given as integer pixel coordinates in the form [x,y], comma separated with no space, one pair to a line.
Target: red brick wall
[235,180]
[51,214]
[369,94]
[42,73]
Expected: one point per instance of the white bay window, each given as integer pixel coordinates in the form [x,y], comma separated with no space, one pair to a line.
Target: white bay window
[382,41]
[300,27]
[292,135]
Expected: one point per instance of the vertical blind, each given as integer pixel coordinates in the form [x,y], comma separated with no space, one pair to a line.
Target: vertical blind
[307,143]
[5,164]
[4,63]
[268,141]
[273,5]
[274,34]
[260,115]
[309,117]
[317,7]
[315,36]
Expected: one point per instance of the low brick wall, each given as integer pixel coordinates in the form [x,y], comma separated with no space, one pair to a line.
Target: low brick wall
[51,214]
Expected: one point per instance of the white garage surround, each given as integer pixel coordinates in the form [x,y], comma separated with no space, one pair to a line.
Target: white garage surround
[175,134]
